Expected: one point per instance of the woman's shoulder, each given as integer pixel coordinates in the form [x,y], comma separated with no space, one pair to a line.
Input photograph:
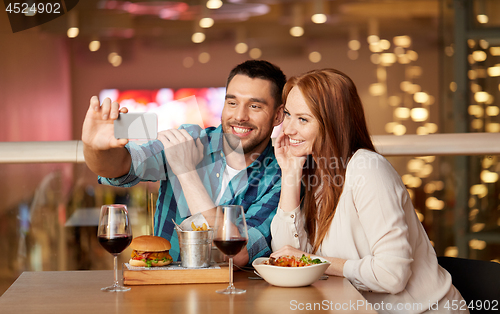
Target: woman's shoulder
[365,161]
[370,170]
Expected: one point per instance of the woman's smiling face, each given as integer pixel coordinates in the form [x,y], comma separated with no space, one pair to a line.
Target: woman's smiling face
[300,125]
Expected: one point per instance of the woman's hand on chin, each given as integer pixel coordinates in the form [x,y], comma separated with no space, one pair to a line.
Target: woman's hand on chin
[288,162]
[288,250]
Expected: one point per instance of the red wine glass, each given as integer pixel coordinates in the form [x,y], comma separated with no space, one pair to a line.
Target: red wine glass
[230,236]
[114,234]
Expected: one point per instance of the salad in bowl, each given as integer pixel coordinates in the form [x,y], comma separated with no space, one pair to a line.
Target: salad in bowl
[291,271]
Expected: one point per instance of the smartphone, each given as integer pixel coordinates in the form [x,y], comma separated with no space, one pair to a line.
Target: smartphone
[136,126]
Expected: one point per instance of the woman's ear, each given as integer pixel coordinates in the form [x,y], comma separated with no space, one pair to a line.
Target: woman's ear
[280,115]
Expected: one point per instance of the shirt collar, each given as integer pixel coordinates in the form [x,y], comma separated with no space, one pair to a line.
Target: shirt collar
[215,144]
[263,158]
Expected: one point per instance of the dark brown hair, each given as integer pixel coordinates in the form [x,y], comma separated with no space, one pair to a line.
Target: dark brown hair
[263,70]
[333,99]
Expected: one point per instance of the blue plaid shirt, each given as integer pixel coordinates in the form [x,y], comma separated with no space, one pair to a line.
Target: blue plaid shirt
[257,189]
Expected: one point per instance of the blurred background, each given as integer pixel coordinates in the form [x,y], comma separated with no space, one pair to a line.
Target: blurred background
[420,66]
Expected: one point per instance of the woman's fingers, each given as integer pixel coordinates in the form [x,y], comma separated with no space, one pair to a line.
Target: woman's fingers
[280,140]
[287,250]
[279,252]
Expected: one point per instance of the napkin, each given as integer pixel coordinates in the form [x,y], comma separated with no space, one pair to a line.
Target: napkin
[198,220]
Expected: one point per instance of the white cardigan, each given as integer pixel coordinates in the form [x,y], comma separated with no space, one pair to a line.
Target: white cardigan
[375,228]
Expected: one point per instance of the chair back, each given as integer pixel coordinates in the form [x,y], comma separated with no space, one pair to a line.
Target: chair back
[478,281]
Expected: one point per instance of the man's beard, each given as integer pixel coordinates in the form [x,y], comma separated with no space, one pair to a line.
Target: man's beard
[235,142]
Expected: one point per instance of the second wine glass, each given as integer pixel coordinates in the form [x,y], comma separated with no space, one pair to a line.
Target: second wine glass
[230,236]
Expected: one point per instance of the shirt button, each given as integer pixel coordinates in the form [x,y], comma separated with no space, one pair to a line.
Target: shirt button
[217,174]
[296,235]
[292,215]
[221,154]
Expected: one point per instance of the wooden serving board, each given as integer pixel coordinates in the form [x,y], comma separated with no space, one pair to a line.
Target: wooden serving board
[173,274]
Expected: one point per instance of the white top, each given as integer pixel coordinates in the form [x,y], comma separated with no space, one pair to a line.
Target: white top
[375,228]
[228,175]
[198,219]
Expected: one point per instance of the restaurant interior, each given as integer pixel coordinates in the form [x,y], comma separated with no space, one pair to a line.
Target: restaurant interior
[422,67]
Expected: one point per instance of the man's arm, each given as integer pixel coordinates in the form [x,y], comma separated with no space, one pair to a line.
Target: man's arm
[199,201]
[104,154]
[112,163]
[259,217]
[184,154]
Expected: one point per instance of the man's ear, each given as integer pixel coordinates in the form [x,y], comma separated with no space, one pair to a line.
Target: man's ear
[280,115]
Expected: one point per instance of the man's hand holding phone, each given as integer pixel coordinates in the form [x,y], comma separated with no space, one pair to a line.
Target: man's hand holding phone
[98,127]
[104,154]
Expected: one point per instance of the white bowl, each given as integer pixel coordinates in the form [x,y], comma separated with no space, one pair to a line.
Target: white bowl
[290,276]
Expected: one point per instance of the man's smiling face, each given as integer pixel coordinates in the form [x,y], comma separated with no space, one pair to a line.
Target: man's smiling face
[249,113]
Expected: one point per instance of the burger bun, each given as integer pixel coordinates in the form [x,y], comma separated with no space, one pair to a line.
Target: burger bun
[149,243]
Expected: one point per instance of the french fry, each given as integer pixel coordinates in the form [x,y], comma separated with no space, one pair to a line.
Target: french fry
[201,228]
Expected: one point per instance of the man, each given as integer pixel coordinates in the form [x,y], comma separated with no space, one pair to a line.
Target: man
[199,169]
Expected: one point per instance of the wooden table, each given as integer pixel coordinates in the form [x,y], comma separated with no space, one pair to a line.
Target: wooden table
[72,292]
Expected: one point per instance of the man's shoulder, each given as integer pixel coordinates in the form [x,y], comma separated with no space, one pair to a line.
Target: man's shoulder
[267,166]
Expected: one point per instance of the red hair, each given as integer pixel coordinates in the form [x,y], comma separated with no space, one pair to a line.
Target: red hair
[333,99]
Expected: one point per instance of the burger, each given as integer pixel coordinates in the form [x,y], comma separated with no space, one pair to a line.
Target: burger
[150,251]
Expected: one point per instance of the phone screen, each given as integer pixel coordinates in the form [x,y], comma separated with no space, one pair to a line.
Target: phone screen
[136,126]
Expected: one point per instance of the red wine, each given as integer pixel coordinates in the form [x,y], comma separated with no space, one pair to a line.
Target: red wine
[117,244]
[230,247]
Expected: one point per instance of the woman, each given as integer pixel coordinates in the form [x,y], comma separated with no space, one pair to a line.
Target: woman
[355,211]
